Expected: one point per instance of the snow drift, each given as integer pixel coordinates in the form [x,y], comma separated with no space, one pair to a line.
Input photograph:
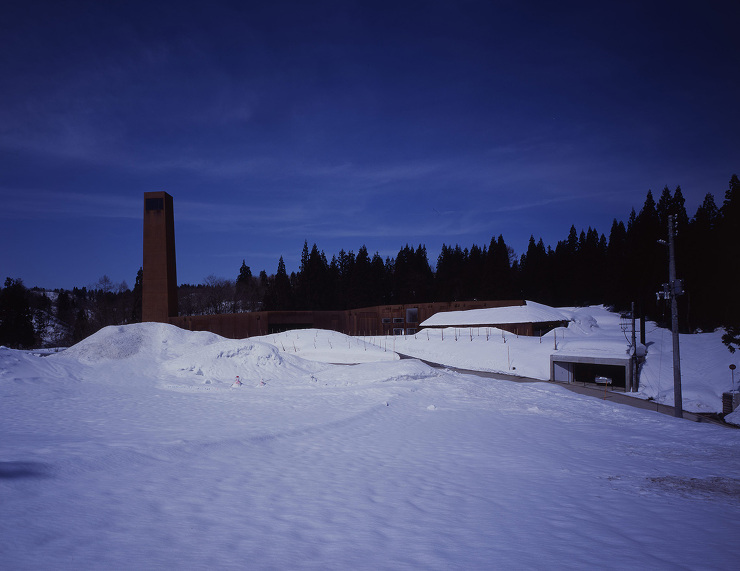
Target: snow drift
[118,454]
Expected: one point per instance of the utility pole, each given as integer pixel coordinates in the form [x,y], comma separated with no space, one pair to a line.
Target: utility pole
[676,289]
[633,360]
[672,290]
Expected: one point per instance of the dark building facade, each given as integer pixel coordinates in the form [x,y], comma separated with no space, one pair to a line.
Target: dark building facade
[377,320]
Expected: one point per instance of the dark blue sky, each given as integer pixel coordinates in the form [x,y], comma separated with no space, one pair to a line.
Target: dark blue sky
[348,123]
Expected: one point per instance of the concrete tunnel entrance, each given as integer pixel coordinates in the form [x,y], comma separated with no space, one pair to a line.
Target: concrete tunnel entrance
[585,369]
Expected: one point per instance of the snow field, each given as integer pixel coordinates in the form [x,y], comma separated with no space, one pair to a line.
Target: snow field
[118,454]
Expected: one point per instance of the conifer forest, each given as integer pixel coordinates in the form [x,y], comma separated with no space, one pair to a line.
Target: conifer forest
[629,263]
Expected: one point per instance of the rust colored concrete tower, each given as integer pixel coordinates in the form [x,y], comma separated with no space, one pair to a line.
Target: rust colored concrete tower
[159,285]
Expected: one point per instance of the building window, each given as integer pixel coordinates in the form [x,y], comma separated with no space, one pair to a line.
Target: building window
[398,331]
[412,315]
[386,320]
[410,331]
[398,320]
[155,204]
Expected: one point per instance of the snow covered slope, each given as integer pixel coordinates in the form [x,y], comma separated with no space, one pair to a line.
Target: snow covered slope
[592,331]
[132,450]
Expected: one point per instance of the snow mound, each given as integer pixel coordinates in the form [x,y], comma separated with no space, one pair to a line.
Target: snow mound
[153,340]
[582,320]
[259,364]
[178,359]
[328,346]
[252,361]
[8,357]
[734,417]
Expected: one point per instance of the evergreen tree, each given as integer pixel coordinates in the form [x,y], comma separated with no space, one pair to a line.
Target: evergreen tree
[41,312]
[65,308]
[728,239]
[616,249]
[474,273]
[649,260]
[413,277]
[361,284]
[82,327]
[304,257]
[664,207]
[345,266]
[702,266]
[707,215]
[499,278]
[137,297]
[535,273]
[312,288]
[566,284]
[678,209]
[16,323]
[245,274]
[263,287]
[283,292]
[594,266]
[449,278]
[379,279]
[333,279]
[244,289]
[731,206]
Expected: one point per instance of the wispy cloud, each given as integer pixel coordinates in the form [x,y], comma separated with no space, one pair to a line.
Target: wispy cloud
[51,204]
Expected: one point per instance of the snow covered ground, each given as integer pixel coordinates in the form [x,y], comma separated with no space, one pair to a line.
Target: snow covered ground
[705,360]
[135,450]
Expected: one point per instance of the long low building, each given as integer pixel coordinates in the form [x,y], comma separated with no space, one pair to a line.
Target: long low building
[395,319]
[529,318]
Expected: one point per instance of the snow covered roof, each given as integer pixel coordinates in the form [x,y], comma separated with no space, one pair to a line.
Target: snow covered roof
[531,312]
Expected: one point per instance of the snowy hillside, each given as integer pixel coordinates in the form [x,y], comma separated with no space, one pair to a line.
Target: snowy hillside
[592,331]
[135,449]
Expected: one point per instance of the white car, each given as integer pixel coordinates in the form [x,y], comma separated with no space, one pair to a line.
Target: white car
[603,381]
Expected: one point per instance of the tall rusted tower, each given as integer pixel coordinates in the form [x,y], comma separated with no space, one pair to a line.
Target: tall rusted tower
[159,285]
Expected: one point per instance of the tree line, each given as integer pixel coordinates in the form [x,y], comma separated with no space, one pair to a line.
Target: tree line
[31,318]
[587,267]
